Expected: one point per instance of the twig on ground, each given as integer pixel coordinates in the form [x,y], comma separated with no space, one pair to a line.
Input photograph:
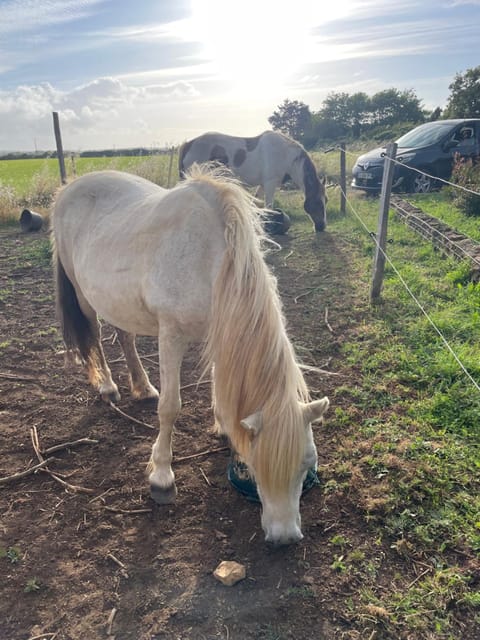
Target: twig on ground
[36,447]
[306,293]
[125,415]
[205,477]
[201,453]
[195,384]
[68,445]
[110,620]
[127,511]
[326,321]
[418,577]
[27,472]
[12,376]
[123,568]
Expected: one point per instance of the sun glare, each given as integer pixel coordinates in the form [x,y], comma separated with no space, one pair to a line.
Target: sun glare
[257,44]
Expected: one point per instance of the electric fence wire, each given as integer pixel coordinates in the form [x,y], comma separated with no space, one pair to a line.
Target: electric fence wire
[413,296]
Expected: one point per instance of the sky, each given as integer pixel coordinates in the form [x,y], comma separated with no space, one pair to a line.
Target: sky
[155,73]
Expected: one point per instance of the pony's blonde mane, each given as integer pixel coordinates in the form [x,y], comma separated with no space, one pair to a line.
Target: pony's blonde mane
[254,363]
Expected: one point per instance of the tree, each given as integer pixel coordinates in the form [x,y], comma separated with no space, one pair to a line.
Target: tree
[348,111]
[464,99]
[292,118]
[391,106]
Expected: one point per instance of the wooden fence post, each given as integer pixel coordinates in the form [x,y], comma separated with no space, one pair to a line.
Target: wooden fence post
[58,140]
[170,165]
[379,262]
[343,179]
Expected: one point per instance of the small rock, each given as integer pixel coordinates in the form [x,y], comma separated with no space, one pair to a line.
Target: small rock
[229,572]
[308,580]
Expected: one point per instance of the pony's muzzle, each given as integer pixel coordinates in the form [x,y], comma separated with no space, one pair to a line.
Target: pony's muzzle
[284,538]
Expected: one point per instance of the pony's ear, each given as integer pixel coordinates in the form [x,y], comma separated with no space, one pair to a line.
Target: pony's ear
[253,423]
[314,410]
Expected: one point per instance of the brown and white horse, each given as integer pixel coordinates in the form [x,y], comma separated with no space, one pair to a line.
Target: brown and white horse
[266,161]
[186,265]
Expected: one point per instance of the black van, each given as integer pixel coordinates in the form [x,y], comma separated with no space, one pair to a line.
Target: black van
[430,148]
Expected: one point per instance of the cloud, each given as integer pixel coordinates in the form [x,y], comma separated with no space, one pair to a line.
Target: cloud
[87,111]
[26,15]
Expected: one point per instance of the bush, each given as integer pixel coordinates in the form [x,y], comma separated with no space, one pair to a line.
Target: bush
[466,173]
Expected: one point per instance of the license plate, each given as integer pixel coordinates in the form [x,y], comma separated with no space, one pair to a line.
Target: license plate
[364,175]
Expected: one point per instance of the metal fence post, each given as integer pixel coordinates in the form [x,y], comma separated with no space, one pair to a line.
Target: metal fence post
[379,262]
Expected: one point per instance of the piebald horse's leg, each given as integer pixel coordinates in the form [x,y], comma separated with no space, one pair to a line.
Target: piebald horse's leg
[269,190]
[171,349]
[140,385]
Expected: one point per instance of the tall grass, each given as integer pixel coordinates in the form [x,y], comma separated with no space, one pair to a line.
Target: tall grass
[33,183]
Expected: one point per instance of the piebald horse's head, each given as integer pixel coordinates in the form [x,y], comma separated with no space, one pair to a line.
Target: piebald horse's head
[315,195]
[280,473]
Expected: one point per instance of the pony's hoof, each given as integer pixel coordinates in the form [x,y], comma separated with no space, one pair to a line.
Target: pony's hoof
[150,393]
[111,396]
[163,495]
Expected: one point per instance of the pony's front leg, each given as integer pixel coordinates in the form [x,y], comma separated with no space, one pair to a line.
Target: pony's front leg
[269,188]
[140,385]
[161,477]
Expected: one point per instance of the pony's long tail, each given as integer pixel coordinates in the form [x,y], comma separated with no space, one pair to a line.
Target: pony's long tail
[79,332]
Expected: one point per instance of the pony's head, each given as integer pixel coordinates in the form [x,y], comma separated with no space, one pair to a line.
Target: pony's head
[280,466]
[315,196]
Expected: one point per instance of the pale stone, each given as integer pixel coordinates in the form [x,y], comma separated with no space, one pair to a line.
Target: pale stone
[229,572]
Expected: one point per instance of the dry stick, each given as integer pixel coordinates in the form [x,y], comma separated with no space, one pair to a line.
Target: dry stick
[123,568]
[12,376]
[68,445]
[195,384]
[201,453]
[306,293]
[205,477]
[36,446]
[127,511]
[326,320]
[27,472]
[110,620]
[125,415]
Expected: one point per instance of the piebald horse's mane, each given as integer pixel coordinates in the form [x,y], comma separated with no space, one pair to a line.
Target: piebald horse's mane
[255,368]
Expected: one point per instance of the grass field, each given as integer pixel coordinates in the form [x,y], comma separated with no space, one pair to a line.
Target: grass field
[33,183]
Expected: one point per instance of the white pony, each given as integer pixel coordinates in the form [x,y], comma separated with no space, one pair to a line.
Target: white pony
[186,265]
[266,161]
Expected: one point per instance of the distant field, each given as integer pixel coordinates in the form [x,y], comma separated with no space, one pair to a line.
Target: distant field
[20,174]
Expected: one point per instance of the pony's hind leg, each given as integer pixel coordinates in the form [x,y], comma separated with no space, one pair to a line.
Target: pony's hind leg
[140,385]
[160,474]
[98,371]
[99,374]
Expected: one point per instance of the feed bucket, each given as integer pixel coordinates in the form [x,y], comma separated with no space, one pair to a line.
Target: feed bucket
[30,221]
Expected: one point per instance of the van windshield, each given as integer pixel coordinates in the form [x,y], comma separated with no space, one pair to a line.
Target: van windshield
[425,134]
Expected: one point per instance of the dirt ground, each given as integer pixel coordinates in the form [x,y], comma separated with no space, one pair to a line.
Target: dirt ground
[110,563]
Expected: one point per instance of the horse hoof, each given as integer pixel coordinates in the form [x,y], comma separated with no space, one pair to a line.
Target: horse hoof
[146,394]
[111,396]
[163,495]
